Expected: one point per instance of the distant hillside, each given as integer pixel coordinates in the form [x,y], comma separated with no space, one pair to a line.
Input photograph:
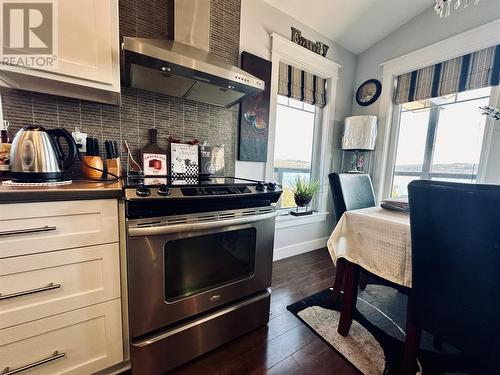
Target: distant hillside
[458,168]
[292,164]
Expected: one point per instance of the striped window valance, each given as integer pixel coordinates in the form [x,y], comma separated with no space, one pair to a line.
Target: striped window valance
[301,85]
[468,72]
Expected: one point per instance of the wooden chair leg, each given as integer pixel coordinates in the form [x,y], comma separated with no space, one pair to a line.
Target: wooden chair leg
[339,279]
[411,348]
[351,282]
[363,280]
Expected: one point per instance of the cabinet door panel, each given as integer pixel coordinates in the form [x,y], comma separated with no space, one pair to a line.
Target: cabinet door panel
[28,228]
[40,285]
[88,65]
[86,39]
[90,338]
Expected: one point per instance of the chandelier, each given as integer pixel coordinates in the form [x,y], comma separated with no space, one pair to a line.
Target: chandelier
[443,7]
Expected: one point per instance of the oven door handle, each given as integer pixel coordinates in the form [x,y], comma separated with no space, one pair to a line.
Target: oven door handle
[193,227]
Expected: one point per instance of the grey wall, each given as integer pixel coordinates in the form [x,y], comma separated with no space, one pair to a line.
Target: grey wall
[142,110]
[425,29]
[258,20]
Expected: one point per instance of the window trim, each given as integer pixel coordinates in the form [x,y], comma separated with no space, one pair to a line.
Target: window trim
[487,153]
[284,50]
[467,42]
[287,221]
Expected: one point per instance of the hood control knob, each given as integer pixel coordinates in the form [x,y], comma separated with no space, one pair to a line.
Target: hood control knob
[271,186]
[142,191]
[260,186]
[163,190]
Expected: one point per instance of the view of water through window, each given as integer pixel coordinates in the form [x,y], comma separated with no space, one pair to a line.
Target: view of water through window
[441,139]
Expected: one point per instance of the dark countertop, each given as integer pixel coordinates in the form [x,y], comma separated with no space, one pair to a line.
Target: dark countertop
[78,190]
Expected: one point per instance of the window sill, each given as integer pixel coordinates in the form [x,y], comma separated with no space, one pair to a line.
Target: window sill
[286,220]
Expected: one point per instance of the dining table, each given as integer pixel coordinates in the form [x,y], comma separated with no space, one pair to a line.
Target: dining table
[373,240]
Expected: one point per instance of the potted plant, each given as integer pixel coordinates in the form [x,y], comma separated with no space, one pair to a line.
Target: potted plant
[303,192]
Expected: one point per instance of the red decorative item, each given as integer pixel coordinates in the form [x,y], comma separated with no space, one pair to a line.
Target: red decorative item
[155,164]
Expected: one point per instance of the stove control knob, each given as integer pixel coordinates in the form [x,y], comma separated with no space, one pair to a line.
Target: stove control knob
[260,186]
[271,186]
[142,191]
[163,190]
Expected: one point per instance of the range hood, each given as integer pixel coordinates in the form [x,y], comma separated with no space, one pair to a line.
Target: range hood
[183,67]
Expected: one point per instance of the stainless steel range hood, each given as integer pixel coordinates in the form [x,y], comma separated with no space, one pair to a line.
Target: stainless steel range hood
[184,68]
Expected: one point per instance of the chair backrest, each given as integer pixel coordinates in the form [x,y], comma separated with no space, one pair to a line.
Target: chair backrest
[351,192]
[455,236]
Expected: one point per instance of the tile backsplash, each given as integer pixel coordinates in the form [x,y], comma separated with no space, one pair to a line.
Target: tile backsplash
[142,110]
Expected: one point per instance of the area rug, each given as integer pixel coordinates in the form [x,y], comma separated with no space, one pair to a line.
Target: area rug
[376,340]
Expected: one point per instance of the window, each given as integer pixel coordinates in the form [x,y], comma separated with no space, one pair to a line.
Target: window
[440,138]
[293,150]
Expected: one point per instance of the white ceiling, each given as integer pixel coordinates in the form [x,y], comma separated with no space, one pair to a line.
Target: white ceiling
[354,24]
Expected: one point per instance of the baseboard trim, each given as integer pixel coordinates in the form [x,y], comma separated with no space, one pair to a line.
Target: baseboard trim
[299,248]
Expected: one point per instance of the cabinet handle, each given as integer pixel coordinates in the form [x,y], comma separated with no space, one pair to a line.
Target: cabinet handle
[30,291]
[53,357]
[27,231]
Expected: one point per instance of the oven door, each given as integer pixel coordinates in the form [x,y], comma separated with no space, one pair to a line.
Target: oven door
[182,266]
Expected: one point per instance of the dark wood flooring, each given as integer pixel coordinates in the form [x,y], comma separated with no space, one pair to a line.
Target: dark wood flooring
[285,345]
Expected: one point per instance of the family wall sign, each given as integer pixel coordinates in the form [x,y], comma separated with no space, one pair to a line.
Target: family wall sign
[317,47]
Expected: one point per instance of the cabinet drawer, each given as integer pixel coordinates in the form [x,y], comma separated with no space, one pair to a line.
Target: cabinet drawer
[27,228]
[40,285]
[89,338]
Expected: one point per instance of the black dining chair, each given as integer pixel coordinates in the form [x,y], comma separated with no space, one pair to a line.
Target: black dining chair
[350,192]
[455,294]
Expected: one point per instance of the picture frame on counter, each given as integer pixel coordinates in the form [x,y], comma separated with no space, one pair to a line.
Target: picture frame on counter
[154,160]
[184,164]
[212,161]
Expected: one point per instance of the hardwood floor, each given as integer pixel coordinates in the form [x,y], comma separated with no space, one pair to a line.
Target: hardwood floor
[285,345]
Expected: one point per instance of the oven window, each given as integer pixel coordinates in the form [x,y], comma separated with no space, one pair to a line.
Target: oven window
[196,264]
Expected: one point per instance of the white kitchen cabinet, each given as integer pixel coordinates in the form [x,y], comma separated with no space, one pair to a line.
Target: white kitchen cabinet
[82,341]
[88,55]
[28,228]
[40,285]
[60,292]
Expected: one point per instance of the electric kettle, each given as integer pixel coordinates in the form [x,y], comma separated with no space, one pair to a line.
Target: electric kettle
[36,154]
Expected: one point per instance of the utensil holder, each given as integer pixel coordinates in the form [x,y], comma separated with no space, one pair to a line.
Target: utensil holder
[95,162]
[114,166]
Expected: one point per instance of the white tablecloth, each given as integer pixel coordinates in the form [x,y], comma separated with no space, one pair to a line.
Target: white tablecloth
[376,239]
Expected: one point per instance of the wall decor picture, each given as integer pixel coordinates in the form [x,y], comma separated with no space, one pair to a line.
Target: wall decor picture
[368,92]
[254,112]
[316,47]
[184,164]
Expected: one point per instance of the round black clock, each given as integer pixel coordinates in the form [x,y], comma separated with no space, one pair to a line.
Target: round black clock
[368,92]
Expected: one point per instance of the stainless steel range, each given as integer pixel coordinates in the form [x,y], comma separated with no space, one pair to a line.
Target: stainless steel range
[199,264]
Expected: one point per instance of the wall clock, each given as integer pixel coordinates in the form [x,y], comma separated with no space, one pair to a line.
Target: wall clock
[368,92]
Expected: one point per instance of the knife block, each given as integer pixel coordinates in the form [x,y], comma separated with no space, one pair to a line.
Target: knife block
[95,162]
[114,166]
